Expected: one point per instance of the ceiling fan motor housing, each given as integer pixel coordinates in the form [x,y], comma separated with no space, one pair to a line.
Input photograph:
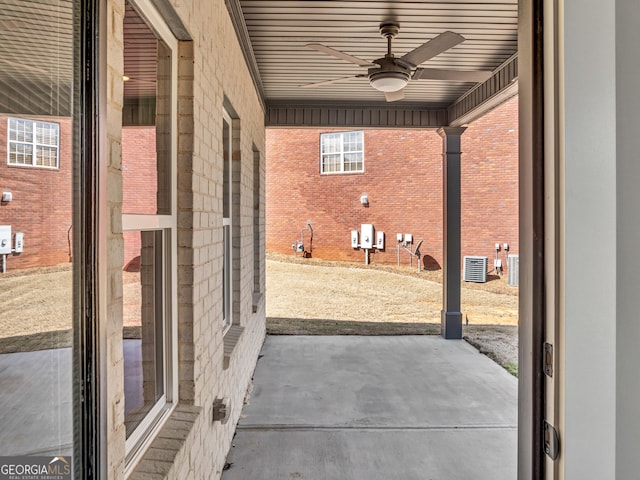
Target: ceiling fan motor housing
[389,29]
[390,77]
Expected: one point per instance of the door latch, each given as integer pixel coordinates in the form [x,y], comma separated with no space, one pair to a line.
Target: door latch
[551,441]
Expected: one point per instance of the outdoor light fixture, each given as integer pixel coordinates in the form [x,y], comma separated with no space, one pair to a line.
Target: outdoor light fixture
[364,199]
[389,81]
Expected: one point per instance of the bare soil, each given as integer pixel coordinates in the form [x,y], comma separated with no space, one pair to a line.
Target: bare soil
[36,300]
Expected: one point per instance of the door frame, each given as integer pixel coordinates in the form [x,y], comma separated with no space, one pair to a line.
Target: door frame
[532,296]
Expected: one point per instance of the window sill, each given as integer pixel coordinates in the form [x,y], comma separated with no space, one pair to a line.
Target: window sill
[157,461]
[231,339]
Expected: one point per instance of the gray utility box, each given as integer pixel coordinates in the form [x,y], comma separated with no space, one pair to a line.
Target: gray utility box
[475,269]
[513,268]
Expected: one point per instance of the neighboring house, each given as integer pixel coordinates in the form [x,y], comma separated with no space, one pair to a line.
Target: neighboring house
[36,167]
[320,175]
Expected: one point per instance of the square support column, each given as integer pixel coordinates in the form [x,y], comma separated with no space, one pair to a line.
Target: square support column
[451,317]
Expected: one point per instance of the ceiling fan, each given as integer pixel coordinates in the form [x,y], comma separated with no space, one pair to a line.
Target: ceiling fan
[390,74]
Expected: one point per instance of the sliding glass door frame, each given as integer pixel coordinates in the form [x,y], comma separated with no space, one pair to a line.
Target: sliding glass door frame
[89,237]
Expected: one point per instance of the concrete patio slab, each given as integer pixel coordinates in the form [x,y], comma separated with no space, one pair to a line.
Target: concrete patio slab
[36,415]
[350,407]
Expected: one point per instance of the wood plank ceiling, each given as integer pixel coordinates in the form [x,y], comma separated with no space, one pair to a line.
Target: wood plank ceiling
[275,35]
[279,30]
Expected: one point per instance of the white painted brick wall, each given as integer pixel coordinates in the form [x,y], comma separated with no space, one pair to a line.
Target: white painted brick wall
[211,68]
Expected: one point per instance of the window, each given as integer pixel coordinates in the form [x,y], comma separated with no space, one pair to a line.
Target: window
[231,219]
[257,224]
[342,152]
[33,143]
[227,224]
[149,223]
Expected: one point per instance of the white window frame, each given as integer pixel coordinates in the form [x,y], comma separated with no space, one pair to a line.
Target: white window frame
[146,431]
[227,234]
[34,144]
[341,152]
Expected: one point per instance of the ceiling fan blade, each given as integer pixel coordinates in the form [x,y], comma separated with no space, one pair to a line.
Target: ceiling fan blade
[341,55]
[430,49]
[454,75]
[329,82]
[394,96]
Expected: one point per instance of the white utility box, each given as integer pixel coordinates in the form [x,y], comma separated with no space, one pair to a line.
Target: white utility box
[380,240]
[5,239]
[408,238]
[354,238]
[19,242]
[366,232]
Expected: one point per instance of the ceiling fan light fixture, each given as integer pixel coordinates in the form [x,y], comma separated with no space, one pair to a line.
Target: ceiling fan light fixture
[389,81]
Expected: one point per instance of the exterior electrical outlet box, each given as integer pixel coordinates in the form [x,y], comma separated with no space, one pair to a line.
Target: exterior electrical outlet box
[408,238]
[300,247]
[19,245]
[380,240]
[5,239]
[354,238]
[366,231]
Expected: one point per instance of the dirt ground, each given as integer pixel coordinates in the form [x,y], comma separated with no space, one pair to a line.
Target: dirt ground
[35,300]
[347,291]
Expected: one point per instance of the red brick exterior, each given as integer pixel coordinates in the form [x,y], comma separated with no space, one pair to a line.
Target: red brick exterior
[139,183]
[489,184]
[403,180]
[42,199]
[42,202]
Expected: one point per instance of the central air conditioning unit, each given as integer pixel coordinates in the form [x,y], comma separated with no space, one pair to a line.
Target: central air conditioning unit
[513,268]
[475,269]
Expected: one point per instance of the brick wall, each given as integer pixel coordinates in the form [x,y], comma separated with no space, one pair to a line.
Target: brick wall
[403,180]
[489,184]
[211,74]
[42,202]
